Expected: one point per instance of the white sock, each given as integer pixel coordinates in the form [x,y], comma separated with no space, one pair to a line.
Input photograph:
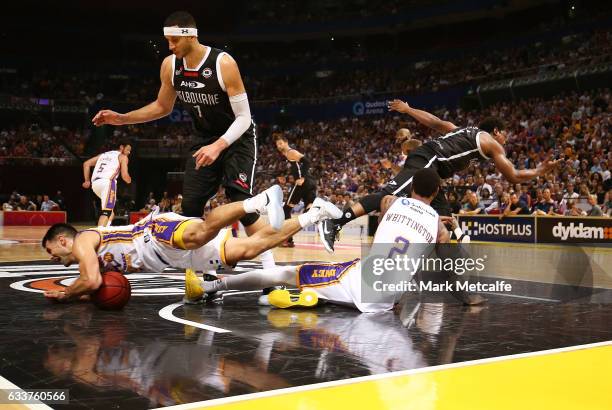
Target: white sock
[255,204]
[267,259]
[258,279]
[215,285]
[304,219]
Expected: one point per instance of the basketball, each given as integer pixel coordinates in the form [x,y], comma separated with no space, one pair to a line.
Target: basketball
[114,292]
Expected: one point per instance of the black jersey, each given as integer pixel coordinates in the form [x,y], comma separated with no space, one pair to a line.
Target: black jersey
[202,90]
[300,169]
[454,151]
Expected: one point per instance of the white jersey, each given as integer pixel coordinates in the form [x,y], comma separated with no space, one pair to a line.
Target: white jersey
[151,245]
[407,221]
[107,166]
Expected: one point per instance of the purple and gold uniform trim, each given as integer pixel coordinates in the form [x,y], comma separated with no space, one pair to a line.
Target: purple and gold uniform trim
[117,236]
[313,275]
[111,196]
[228,234]
[167,231]
[177,235]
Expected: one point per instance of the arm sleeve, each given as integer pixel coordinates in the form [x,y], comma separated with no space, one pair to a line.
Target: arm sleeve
[242,122]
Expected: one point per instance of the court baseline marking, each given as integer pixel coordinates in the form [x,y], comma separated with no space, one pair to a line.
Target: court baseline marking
[374,377]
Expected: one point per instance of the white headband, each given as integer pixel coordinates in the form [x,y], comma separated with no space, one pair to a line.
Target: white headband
[180,31]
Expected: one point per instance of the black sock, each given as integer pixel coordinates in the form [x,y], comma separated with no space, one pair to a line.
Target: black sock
[372,202]
[287,210]
[347,215]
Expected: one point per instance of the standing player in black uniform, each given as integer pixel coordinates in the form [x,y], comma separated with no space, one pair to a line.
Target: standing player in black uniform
[208,82]
[448,154]
[305,186]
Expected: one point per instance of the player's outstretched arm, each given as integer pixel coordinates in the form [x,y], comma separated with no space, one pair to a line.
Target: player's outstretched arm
[123,163]
[86,167]
[427,119]
[495,151]
[90,279]
[159,108]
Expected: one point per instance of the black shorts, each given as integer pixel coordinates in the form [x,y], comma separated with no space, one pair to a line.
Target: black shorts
[234,169]
[306,192]
[401,184]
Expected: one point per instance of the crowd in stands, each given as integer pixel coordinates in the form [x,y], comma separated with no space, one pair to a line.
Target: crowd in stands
[166,203]
[346,153]
[40,202]
[476,66]
[289,12]
[576,129]
[46,145]
[346,156]
[285,71]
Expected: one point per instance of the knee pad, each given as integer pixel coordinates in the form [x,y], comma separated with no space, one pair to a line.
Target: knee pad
[106,212]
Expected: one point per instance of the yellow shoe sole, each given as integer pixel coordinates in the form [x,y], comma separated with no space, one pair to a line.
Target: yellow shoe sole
[282,298]
[193,288]
[283,318]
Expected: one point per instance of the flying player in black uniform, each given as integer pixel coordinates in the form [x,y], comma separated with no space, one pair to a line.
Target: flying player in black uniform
[207,81]
[305,186]
[448,154]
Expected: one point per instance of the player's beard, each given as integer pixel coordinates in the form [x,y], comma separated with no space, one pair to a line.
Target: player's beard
[66,260]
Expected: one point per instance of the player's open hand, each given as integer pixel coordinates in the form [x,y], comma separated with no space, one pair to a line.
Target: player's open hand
[56,296]
[546,166]
[386,164]
[449,221]
[209,153]
[107,117]
[398,105]
[86,184]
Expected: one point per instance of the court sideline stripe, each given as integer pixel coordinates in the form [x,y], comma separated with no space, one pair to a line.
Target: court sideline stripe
[375,377]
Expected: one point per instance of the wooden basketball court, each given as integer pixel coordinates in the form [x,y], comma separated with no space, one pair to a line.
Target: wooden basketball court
[157,352]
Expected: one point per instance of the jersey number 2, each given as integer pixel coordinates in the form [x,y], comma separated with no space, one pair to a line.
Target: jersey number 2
[399,250]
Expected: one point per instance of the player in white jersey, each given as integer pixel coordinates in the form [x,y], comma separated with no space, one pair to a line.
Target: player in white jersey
[107,167]
[172,240]
[404,221]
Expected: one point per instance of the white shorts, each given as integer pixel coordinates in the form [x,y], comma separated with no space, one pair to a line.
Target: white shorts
[338,283]
[167,230]
[106,190]
[209,256]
